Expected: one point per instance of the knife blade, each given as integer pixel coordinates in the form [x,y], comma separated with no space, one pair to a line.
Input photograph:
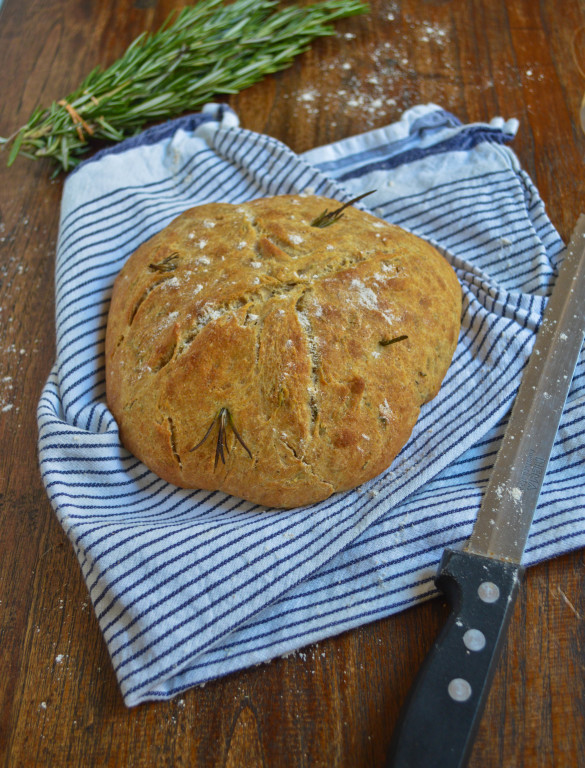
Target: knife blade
[440,718]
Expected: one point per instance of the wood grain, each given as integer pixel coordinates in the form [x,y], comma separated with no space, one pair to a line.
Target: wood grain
[333,704]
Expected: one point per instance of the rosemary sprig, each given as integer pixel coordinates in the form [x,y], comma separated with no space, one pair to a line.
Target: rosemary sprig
[168,264]
[387,342]
[330,217]
[223,419]
[206,50]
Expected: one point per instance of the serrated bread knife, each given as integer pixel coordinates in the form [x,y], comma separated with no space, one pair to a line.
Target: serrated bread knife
[439,721]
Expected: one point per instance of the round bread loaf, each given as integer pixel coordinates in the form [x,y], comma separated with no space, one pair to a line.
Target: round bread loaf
[253,350]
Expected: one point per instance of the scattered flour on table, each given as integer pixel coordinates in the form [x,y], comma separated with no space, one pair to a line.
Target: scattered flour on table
[376,83]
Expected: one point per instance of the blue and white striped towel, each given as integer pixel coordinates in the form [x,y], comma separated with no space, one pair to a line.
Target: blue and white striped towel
[190,585]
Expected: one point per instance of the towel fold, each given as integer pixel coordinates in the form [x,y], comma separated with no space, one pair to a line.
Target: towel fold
[189,585]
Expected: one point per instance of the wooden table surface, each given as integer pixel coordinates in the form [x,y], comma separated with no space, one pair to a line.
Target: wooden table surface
[335,704]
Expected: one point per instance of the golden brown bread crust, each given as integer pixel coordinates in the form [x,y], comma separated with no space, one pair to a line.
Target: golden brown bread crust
[286,325]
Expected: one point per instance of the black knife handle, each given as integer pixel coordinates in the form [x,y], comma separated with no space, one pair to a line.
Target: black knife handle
[439,721]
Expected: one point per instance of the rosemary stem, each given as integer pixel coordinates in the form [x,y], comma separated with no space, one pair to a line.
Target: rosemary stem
[202,51]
